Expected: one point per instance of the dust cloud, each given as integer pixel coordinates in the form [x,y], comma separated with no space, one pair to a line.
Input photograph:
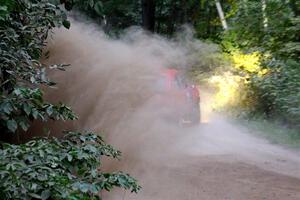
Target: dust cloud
[112,85]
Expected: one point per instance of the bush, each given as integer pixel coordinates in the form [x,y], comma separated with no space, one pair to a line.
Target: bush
[66,168]
[258,84]
[279,91]
[270,85]
[43,168]
[24,27]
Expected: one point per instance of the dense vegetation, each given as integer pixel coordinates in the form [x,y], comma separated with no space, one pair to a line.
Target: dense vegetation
[44,168]
[67,168]
[265,47]
[259,37]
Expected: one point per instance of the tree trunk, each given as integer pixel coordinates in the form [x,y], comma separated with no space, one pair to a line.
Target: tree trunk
[264,14]
[148,14]
[184,14]
[208,18]
[159,20]
[221,14]
[172,20]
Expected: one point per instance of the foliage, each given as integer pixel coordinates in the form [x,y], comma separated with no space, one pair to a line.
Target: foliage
[279,92]
[248,30]
[91,7]
[247,62]
[120,14]
[26,104]
[112,15]
[228,88]
[67,168]
[24,27]
[115,15]
[256,87]
[232,82]
[44,168]
[265,54]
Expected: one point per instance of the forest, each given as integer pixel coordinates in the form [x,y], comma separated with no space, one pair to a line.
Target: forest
[254,71]
[259,38]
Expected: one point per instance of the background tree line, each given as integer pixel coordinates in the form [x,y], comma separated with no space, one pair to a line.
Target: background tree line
[268,29]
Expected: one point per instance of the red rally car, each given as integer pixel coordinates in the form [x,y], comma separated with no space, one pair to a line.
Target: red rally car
[182,98]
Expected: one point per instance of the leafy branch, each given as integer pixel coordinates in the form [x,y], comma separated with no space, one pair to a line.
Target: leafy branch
[67,168]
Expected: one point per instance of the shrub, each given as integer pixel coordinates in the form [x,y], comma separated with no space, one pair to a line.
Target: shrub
[24,27]
[67,168]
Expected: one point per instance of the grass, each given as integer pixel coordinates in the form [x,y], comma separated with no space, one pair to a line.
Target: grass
[273,132]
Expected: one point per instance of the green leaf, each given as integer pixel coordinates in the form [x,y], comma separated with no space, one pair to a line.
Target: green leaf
[45,194]
[83,187]
[12,125]
[42,153]
[32,79]
[17,91]
[37,196]
[69,157]
[67,24]
[49,110]
[27,109]
[6,107]
[24,125]
[41,168]
[33,186]
[91,3]
[98,7]
[35,113]
[3,9]
[94,189]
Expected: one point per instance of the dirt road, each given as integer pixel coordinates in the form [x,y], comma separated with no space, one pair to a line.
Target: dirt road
[217,160]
